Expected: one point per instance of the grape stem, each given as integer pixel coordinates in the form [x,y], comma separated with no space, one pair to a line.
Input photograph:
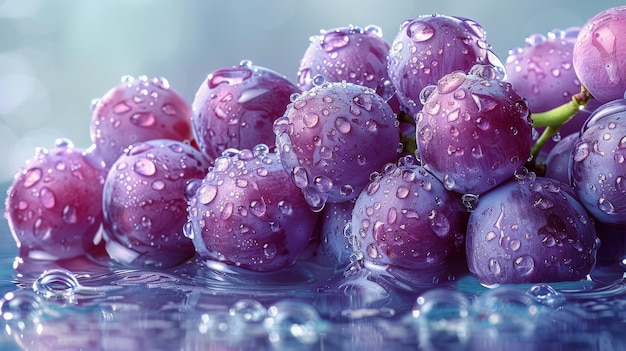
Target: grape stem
[554,119]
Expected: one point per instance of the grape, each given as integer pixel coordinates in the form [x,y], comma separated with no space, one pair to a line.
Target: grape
[236,106]
[530,231]
[332,137]
[542,73]
[598,167]
[599,54]
[145,206]
[354,54]
[335,240]
[406,218]
[428,47]
[138,110]
[558,160]
[474,131]
[54,205]
[542,70]
[247,212]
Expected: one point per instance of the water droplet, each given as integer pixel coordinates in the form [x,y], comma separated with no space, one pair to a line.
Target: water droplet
[310,119]
[606,206]
[231,76]
[258,207]
[420,31]
[364,100]
[69,214]
[524,265]
[343,125]
[47,198]
[144,119]
[318,80]
[144,167]
[206,193]
[158,185]
[334,40]
[32,176]
[300,177]
[494,266]
[188,230]
[439,224]
[121,108]
[269,251]
[285,207]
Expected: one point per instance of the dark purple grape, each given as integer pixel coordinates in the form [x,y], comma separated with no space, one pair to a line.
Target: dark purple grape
[138,110]
[332,137]
[599,52]
[474,131]
[407,219]
[559,158]
[530,230]
[54,205]
[598,167]
[430,46]
[354,54]
[247,212]
[145,206]
[236,106]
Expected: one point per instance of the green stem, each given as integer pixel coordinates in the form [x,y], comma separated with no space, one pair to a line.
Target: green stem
[554,119]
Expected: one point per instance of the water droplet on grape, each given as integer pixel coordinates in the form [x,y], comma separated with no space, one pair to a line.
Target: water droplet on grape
[206,193]
[32,176]
[420,31]
[144,167]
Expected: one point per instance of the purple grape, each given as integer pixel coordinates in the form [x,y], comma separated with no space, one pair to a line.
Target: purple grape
[145,206]
[558,160]
[54,205]
[406,218]
[336,246]
[474,131]
[542,70]
[598,167]
[542,73]
[599,54]
[247,212]
[354,54]
[430,46]
[332,137]
[138,110]
[530,230]
[235,107]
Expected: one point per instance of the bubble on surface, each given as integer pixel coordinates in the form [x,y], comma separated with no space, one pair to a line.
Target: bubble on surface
[58,284]
[443,319]
[293,325]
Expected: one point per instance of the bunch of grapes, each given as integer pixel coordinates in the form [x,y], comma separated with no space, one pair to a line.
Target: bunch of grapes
[411,156]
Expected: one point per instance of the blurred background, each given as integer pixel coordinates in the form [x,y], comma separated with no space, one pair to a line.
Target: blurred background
[56,56]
